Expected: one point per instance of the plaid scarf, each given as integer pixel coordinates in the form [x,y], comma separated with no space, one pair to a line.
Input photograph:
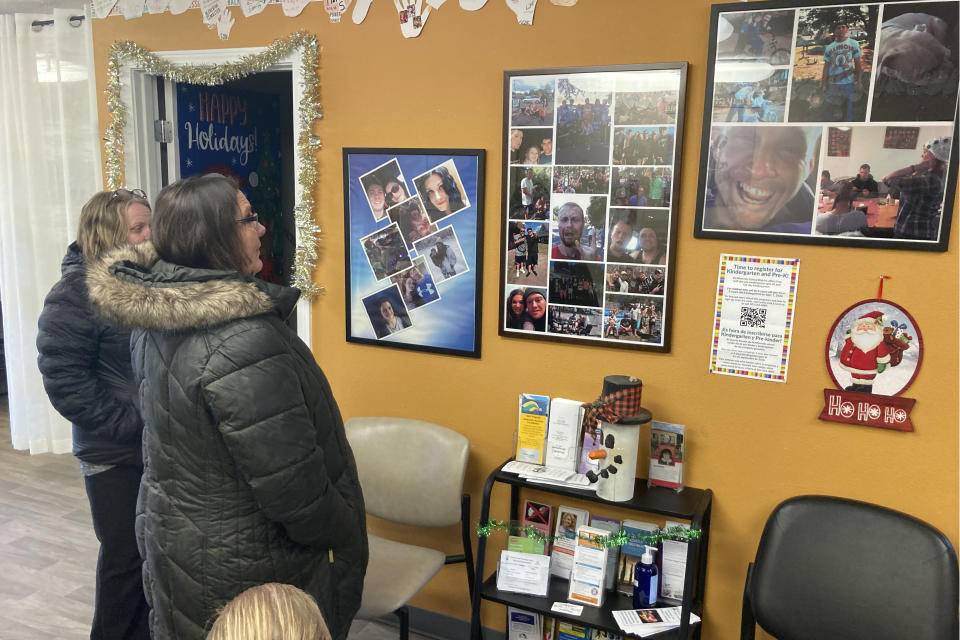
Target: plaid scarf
[614,407]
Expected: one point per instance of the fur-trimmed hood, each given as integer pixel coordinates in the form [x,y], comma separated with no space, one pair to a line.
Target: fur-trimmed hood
[132,287]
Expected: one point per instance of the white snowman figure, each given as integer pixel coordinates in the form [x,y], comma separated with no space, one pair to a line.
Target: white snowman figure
[620,416]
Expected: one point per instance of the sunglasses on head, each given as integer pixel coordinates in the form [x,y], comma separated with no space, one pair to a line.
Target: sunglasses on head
[129,193]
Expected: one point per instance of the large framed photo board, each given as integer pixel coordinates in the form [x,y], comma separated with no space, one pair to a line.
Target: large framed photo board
[590,178]
[413,221]
[831,124]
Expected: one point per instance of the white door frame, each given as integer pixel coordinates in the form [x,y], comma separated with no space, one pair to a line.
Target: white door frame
[139,95]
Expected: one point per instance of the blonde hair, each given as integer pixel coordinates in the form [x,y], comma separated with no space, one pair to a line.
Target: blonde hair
[103,222]
[270,611]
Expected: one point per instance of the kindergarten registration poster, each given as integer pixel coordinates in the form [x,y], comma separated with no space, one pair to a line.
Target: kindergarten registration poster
[754,316]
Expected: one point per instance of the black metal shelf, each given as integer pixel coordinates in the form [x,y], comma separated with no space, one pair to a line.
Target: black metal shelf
[598,617]
[688,504]
[683,504]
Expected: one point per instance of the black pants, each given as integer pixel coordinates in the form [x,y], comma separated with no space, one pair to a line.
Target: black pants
[121,611]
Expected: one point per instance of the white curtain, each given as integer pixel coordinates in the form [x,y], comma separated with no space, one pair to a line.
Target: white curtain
[49,166]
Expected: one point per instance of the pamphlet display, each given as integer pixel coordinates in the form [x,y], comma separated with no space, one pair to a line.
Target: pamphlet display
[612,527]
[631,552]
[673,566]
[562,436]
[523,573]
[666,455]
[522,625]
[532,427]
[565,539]
[569,631]
[589,567]
[540,517]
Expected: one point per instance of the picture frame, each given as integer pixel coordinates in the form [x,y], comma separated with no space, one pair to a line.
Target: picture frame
[590,185]
[413,242]
[809,111]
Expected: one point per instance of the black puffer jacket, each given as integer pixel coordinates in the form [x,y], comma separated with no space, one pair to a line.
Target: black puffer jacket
[85,363]
[248,475]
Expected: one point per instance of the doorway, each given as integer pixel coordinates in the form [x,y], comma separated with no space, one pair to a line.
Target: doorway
[244,129]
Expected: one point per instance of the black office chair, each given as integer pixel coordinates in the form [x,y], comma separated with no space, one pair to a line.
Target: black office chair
[837,569]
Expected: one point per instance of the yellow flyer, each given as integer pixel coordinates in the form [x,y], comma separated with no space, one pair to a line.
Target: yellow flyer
[532,428]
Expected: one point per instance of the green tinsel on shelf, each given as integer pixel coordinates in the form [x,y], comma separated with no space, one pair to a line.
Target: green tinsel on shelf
[680,534]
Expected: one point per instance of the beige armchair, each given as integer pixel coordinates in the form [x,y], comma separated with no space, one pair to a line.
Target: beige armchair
[411,472]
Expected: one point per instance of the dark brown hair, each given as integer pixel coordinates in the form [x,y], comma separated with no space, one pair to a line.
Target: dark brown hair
[194,223]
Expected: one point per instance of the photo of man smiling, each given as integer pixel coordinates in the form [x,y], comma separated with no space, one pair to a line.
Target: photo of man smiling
[759,179]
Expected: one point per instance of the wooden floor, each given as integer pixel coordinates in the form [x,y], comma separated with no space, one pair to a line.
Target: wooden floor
[48,551]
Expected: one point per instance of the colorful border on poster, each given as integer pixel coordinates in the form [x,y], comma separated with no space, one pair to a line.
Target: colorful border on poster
[781,375]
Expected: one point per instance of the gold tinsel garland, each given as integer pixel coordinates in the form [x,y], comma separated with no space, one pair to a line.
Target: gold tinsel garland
[215,74]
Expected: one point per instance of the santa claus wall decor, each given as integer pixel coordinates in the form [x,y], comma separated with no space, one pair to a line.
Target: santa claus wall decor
[873,354]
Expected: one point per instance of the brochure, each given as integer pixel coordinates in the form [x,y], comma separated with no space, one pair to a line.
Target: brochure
[589,566]
[532,427]
[562,441]
[565,539]
[666,455]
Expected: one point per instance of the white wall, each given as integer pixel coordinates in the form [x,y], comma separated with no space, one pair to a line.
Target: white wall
[866,146]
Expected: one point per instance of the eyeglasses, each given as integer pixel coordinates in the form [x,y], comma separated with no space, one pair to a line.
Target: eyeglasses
[253,218]
[135,193]
[395,189]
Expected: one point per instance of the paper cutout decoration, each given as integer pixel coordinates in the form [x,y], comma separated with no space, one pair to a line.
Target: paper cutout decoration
[101,8]
[335,9]
[563,3]
[131,8]
[179,6]
[252,7]
[211,10]
[293,8]
[524,10]
[224,24]
[472,5]
[412,20]
[436,4]
[157,6]
[873,353]
[360,11]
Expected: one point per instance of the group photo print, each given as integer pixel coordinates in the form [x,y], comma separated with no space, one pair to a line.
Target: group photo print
[588,201]
[849,140]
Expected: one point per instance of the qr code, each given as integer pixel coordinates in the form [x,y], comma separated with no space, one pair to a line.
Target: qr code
[752,317]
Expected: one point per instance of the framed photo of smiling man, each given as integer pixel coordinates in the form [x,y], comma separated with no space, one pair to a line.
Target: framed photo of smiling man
[803,100]
[590,175]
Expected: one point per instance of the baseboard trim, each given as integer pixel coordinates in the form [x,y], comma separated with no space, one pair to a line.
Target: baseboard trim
[438,626]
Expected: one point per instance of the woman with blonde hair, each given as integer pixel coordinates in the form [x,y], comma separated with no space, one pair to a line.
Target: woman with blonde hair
[87,374]
[275,611]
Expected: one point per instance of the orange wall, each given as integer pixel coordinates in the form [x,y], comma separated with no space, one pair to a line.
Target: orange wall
[754,443]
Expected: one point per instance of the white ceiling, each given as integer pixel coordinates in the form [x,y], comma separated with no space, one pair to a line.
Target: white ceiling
[39,6]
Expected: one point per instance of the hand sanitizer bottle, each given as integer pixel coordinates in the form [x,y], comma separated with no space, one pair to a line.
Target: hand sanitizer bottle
[646,588]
